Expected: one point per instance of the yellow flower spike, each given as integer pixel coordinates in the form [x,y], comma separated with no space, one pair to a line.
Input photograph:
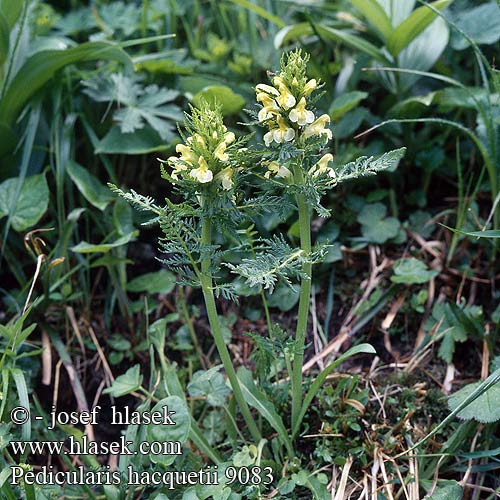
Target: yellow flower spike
[202,174]
[278,170]
[226,178]
[318,127]
[283,133]
[214,134]
[187,154]
[310,86]
[300,114]
[220,152]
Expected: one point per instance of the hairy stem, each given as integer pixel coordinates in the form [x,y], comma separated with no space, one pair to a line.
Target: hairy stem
[304,300]
[213,318]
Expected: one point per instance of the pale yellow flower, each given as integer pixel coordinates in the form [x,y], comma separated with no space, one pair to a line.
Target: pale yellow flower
[267,112]
[286,100]
[226,178]
[283,133]
[322,166]
[268,138]
[300,114]
[318,127]
[310,86]
[276,169]
[229,138]
[220,152]
[264,91]
[187,154]
[202,174]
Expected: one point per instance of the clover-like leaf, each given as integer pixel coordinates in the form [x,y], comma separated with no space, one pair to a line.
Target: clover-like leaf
[484,409]
[375,226]
[411,270]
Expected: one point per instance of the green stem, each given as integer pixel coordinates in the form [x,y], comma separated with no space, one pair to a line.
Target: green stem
[304,301]
[208,295]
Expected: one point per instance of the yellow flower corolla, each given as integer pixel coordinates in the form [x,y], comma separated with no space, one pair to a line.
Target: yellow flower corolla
[202,174]
[264,91]
[283,133]
[226,178]
[229,138]
[318,127]
[220,152]
[286,100]
[274,168]
[322,166]
[187,154]
[267,112]
[310,86]
[300,114]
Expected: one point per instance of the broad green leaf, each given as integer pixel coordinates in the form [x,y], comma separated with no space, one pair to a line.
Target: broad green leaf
[11,9]
[258,400]
[483,387]
[481,23]
[32,202]
[344,103]
[319,380]
[4,39]
[209,384]
[161,281]
[231,102]
[129,382]
[84,247]
[169,433]
[411,270]
[292,32]
[351,40]
[484,409]
[95,193]
[42,66]
[259,11]
[397,10]
[284,297]
[376,16]
[466,97]
[142,141]
[420,55]
[412,26]
[8,142]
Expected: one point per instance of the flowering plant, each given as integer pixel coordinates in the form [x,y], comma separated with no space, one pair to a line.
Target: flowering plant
[294,167]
